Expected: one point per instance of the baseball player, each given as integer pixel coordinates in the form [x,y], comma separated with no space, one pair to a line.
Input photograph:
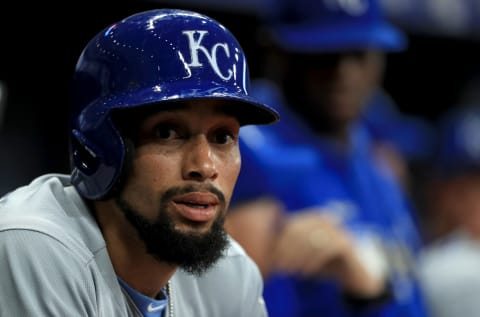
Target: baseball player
[137,228]
[329,225]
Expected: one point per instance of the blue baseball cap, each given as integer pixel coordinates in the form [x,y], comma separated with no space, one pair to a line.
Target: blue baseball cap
[458,140]
[311,26]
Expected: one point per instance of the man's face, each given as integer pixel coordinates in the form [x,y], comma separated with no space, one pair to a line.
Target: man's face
[337,86]
[185,166]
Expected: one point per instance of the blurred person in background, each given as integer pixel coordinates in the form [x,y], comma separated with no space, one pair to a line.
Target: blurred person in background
[326,219]
[405,141]
[450,262]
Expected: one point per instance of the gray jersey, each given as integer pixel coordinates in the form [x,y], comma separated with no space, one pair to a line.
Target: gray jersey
[449,271]
[54,262]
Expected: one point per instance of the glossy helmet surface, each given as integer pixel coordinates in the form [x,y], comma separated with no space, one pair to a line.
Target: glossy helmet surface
[150,58]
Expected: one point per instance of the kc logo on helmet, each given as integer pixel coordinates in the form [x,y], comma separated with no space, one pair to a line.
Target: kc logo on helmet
[195,39]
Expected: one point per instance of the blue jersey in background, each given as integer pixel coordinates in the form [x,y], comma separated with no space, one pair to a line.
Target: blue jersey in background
[302,170]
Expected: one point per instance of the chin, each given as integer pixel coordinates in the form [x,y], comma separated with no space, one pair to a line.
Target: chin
[193,227]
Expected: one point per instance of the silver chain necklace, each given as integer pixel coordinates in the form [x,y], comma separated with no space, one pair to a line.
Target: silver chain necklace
[170,299]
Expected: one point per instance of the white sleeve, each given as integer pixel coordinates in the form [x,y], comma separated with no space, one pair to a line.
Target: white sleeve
[41,277]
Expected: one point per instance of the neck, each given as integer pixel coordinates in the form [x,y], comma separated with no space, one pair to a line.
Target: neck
[128,254]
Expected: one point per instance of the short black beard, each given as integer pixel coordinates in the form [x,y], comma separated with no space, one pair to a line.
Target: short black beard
[193,252]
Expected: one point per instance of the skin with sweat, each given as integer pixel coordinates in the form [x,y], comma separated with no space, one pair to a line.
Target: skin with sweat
[184,169]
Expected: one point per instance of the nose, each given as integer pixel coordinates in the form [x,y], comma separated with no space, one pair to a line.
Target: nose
[199,160]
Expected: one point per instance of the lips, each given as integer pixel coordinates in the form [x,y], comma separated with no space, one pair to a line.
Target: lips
[198,206]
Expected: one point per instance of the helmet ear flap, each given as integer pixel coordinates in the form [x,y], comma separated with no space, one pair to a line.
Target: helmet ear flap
[83,157]
[87,163]
[125,168]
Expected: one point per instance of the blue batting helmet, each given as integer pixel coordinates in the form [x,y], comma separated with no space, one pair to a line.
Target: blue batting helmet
[149,58]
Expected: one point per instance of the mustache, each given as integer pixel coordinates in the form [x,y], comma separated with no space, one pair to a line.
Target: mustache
[195,253]
[174,191]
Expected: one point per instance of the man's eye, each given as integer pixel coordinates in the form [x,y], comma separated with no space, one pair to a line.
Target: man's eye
[224,137]
[165,132]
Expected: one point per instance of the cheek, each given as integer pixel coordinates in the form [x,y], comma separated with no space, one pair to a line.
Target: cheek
[150,174]
[229,170]
[154,168]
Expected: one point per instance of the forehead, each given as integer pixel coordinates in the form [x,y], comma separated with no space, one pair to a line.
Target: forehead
[198,107]
[132,117]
